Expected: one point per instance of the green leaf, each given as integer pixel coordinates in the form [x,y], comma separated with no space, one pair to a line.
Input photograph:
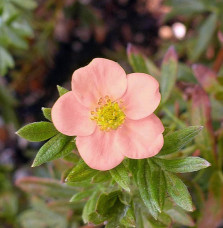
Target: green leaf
[22,28]
[129,219]
[173,142]
[61,90]
[133,167]
[57,147]
[205,34]
[90,207]
[81,172]
[47,113]
[142,179]
[109,209]
[112,217]
[6,61]
[14,39]
[101,177]
[38,131]
[96,218]
[120,175]
[157,184]
[139,215]
[28,4]
[152,68]
[168,73]
[10,12]
[116,214]
[140,63]
[165,219]
[152,185]
[178,191]
[162,221]
[182,165]
[186,7]
[72,157]
[185,73]
[125,198]
[81,195]
[106,201]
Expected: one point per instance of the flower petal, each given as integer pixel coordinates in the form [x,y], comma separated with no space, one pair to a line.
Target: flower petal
[143,138]
[99,78]
[70,117]
[100,150]
[142,96]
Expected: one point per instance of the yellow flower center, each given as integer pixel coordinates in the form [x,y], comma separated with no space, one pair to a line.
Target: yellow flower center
[109,114]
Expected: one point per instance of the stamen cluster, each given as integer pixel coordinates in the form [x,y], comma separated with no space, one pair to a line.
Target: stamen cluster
[109,114]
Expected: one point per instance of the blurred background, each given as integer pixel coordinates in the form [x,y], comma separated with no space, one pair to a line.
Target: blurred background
[43,41]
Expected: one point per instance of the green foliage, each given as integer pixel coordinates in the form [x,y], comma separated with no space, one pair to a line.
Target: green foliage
[178,191]
[182,165]
[153,178]
[101,177]
[108,208]
[145,189]
[168,74]
[81,195]
[137,193]
[6,61]
[89,207]
[129,219]
[140,63]
[61,90]
[154,181]
[106,202]
[36,132]
[185,73]
[81,172]
[57,147]
[28,4]
[205,34]
[120,175]
[47,113]
[14,30]
[175,141]
[187,6]
[157,183]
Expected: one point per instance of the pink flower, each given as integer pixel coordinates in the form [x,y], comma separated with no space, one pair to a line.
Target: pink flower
[111,114]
